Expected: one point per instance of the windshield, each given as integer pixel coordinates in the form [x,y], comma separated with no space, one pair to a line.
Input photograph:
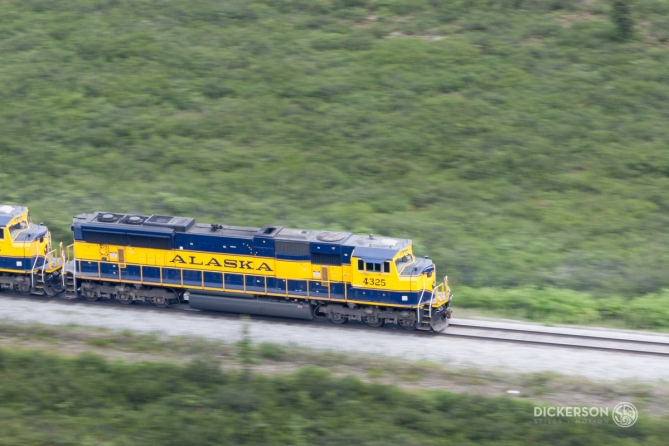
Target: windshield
[18,227]
[403,261]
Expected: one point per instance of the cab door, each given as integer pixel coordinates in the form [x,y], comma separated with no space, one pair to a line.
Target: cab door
[4,240]
[416,279]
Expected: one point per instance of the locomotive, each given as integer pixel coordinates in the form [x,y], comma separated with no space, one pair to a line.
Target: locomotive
[272,270]
[28,265]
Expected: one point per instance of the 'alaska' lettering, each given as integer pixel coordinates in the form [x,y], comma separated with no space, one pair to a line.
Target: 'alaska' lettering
[213,262]
[227,263]
[264,267]
[246,264]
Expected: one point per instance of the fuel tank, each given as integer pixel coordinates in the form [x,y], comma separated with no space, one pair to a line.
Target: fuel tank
[262,306]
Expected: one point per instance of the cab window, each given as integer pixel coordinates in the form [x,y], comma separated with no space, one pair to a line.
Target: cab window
[402,261]
[373,267]
[2,233]
[16,228]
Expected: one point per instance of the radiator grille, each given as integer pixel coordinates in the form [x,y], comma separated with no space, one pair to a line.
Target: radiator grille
[325,259]
[291,248]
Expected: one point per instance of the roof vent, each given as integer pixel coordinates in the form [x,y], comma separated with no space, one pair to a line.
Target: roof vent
[108,217]
[134,219]
[331,236]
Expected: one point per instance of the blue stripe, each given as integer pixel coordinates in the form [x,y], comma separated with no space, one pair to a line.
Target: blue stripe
[26,263]
[325,248]
[385,296]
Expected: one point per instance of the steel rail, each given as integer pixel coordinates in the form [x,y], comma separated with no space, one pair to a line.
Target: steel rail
[557,334]
[495,331]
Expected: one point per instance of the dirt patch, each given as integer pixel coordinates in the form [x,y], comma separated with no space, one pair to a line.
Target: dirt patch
[399,35]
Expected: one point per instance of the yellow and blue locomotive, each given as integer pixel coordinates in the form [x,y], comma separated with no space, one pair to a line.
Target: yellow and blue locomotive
[27,263]
[267,271]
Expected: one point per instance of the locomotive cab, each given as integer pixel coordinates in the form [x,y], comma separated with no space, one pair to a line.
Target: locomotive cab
[393,276]
[26,259]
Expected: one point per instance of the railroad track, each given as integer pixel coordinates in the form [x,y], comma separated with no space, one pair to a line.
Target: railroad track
[578,338]
[539,336]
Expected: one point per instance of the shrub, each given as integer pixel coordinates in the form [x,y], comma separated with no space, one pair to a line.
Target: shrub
[621,15]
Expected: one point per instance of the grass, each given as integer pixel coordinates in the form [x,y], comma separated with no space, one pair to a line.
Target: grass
[277,360]
[519,143]
[46,399]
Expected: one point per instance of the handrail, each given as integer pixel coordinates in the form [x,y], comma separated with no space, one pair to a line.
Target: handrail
[50,257]
[441,293]
[418,307]
[431,302]
[438,291]
[32,276]
[66,253]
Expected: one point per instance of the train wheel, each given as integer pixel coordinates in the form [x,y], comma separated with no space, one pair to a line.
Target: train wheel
[125,299]
[337,318]
[373,321]
[22,289]
[88,292]
[407,324]
[160,302]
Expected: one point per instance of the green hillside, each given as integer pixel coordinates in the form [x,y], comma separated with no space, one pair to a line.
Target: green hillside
[518,142]
[48,400]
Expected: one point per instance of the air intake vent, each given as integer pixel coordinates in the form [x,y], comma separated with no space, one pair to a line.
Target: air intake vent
[292,248]
[163,219]
[134,219]
[325,259]
[331,236]
[108,217]
[179,224]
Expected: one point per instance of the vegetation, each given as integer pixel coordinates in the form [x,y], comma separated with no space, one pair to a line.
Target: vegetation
[518,142]
[622,17]
[275,359]
[650,312]
[46,399]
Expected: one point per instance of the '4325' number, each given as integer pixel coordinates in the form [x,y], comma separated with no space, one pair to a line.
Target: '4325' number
[374,282]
